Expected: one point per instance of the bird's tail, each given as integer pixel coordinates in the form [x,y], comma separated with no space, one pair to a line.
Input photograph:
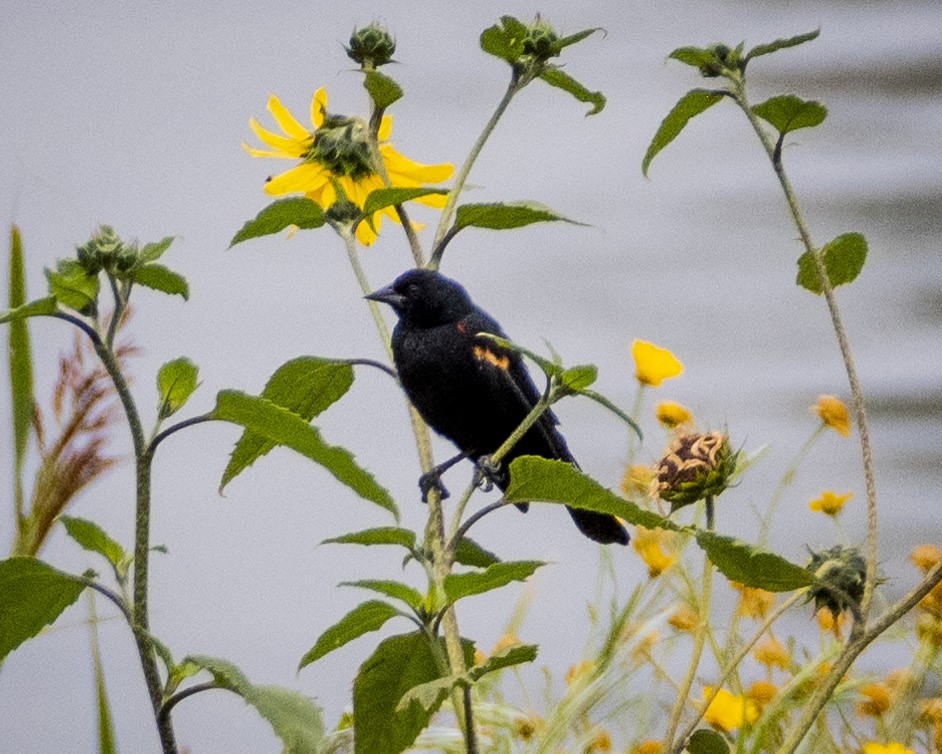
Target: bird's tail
[599,527]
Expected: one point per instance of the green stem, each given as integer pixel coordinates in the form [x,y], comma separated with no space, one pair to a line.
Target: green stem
[120,303]
[448,211]
[787,478]
[699,641]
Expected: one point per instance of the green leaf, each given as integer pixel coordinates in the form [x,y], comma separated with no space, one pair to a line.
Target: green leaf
[458,585]
[277,216]
[505,658]
[305,386]
[176,382]
[35,308]
[295,718]
[32,595]
[706,741]
[578,378]
[72,287]
[160,278]
[504,216]
[789,113]
[382,535]
[535,479]
[689,106]
[555,76]
[393,589]
[369,616]
[571,39]
[751,565]
[106,743]
[780,44]
[603,401]
[698,57]
[93,538]
[504,40]
[843,258]
[389,197]
[382,89]
[399,663]
[283,427]
[151,252]
[20,363]
[470,553]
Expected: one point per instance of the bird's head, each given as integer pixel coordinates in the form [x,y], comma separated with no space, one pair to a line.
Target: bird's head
[425,298]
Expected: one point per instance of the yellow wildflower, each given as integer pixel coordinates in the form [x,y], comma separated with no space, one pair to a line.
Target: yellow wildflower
[827,622]
[727,711]
[871,747]
[577,671]
[833,413]
[684,618]
[771,653]
[636,481]
[925,557]
[753,603]
[647,747]
[653,365]
[505,641]
[761,693]
[650,545]
[601,741]
[527,727]
[830,503]
[929,630]
[337,149]
[671,414]
[876,700]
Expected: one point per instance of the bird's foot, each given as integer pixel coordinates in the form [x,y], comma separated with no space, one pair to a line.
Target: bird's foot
[432,480]
[487,474]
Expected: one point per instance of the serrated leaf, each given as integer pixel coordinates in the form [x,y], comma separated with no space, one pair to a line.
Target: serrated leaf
[504,216]
[843,259]
[458,585]
[176,382]
[393,589]
[20,362]
[157,277]
[751,565]
[382,535]
[277,216]
[73,288]
[151,252]
[295,718]
[692,104]
[399,663]
[781,44]
[579,377]
[382,89]
[282,427]
[698,57]
[505,658]
[305,386]
[504,40]
[32,595]
[705,741]
[535,479]
[470,553]
[35,308]
[555,76]
[389,197]
[93,538]
[788,113]
[369,616]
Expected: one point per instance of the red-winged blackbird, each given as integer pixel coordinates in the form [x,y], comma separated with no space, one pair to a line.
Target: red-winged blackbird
[469,389]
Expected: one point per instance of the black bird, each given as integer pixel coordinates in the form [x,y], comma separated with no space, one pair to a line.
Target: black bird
[469,389]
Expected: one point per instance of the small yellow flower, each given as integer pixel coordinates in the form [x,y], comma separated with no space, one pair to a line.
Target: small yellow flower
[753,603]
[647,747]
[830,503]
[527,727]
[876,700]
[601,741]
[684,618]
[871,747]
[727,711]
[336,149]
[833,413]
[671,414]
[650,545]
[772,653]
[925,557]
[479,657]
[762,692]
[932,602]
[653,365]
[636,481]
[827,622]
[578,671]
[505,641]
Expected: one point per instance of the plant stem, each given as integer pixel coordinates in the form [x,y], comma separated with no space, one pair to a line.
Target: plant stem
[787,478]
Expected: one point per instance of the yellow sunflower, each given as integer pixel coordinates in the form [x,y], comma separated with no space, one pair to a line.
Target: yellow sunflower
[337,148]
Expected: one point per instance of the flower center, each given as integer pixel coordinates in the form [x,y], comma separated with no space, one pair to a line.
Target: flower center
[342,146]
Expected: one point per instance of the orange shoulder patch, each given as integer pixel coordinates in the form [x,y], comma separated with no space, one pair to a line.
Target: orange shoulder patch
[482,353]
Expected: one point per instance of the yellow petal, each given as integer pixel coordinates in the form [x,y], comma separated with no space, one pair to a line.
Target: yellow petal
[306,177]
[287,146]
[402,168]
[653,365]
[433,200]
[385,128]
[318,107]
[285,119]
[265,153]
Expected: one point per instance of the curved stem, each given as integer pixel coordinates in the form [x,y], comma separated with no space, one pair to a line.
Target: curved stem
[175,699]
[473,519]
[161,436]
[112,596]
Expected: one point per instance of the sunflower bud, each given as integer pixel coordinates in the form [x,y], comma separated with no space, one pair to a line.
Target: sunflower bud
[540,41]
[126,259]
[371,46]
[342,211]
[101,251]
[725,59]
[839,579]
[694,467]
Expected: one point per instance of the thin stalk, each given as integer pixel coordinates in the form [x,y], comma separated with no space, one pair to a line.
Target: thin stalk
[699,641]
[120,303]
[774,154]
[787,478]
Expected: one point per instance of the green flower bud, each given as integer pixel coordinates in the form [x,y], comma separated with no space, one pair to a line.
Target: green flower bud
[694,467]
[342,145]
[839,575]
[126,259]
[342,211]
[371,46]
[88,258]
[540,41]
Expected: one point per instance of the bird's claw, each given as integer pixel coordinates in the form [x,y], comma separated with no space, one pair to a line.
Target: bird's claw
[429,481]
[487,474]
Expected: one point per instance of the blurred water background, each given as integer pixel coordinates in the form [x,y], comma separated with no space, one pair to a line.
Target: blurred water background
[131,114]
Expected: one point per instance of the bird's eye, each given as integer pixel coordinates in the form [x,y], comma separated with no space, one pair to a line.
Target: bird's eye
[412,291]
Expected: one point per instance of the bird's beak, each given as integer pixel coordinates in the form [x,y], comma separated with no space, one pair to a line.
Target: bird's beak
[389,296]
